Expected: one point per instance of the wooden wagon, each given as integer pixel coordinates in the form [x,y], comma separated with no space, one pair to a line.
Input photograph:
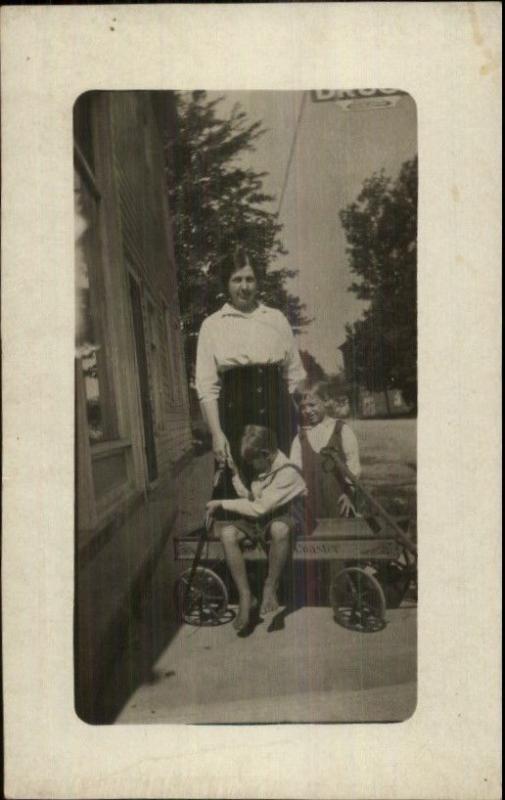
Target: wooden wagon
[371,558]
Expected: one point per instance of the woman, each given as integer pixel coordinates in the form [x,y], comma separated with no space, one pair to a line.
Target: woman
[247,367]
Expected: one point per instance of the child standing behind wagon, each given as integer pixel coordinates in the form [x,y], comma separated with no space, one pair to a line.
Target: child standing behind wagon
[330,493]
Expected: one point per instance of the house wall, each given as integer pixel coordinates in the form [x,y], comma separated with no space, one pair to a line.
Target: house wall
[133,433]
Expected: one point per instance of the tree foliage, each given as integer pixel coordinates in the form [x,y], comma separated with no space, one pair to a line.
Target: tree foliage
[313,368]
[216,202]
[381,229]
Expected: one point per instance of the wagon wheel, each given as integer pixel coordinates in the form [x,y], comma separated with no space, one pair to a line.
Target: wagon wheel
[396,578]
[358,601]
[204,601]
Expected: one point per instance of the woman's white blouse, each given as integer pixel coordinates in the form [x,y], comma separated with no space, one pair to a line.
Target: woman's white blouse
[231,338]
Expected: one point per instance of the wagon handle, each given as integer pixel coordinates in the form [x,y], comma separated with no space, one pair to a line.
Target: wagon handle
[404,539]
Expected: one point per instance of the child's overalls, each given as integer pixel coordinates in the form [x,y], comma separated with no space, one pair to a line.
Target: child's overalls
[325,485]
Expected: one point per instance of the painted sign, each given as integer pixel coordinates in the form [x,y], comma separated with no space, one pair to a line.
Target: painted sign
[359,99]
[304,550]
[308,550]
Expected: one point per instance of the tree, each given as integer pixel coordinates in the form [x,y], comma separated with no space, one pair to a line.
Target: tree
[381,231]
[313,368]
[217,201]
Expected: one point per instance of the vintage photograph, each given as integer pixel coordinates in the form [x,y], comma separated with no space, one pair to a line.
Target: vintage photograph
[245,406]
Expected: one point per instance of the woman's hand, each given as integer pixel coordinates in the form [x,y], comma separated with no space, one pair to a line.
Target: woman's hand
[220,447]
[346,507]
[211,508]
[230,463]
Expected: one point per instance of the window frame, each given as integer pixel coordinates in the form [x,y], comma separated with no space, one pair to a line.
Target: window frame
[102,507]
[98,309]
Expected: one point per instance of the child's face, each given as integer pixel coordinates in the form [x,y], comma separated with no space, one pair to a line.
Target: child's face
[261,463]
[312,409]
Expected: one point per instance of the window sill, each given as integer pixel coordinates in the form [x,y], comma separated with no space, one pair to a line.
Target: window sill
[104,449]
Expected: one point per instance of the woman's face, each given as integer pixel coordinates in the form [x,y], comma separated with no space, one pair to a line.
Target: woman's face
[243,288]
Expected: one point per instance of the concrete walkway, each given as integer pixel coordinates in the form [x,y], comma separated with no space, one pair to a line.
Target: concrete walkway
[312,671]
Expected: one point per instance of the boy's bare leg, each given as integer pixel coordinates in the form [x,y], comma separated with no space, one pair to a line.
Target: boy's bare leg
[231,538]
[279,549]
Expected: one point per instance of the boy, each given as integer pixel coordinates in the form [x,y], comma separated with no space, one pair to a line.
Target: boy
[272,507]
[330,493]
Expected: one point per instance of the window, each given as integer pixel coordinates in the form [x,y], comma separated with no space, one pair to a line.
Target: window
[100,384]
[128,358]
[91,338]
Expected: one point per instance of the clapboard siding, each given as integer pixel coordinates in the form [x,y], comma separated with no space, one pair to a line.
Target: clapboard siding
[148,247]
[125,564]
[173,445]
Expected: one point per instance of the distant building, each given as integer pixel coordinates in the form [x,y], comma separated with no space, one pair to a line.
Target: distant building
[381,404]
[132,408]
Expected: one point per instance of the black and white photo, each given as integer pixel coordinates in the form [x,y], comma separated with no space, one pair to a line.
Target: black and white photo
[251,471]
[246,398]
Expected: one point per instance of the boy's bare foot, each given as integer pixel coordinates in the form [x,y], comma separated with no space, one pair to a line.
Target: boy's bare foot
[246,605]
[270,602]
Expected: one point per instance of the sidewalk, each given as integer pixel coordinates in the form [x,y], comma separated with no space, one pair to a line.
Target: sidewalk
[312,671]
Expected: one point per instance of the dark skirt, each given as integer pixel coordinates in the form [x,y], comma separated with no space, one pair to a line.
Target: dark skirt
[254,395]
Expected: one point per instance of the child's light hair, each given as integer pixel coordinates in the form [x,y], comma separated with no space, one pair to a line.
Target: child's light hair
[325,391]
[320,389]
[257,441]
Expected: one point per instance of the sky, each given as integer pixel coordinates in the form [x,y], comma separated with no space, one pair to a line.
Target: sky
[336,149]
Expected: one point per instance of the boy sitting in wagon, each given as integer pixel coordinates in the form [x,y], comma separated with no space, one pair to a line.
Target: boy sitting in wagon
[330,491]
[273,508]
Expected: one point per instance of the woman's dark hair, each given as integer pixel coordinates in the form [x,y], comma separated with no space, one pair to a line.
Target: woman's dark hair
[236,259]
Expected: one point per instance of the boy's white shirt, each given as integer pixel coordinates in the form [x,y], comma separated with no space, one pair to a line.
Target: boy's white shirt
[319,435]
[269,490]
